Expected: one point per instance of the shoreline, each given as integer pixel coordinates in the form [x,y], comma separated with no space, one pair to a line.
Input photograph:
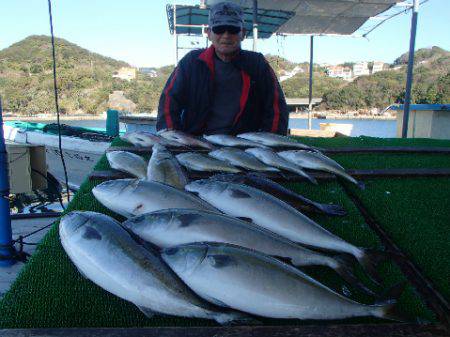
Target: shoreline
[42,118]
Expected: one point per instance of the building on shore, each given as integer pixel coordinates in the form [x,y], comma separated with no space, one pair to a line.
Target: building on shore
[340,72]
[148,71]
[361,69]
[125,73]
[377,66]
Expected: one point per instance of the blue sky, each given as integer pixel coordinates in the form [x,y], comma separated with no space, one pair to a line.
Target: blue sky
[136,31]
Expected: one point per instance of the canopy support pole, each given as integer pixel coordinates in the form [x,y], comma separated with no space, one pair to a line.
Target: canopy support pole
[6,244]
[175,33]
[311,50]
[255,23]
[409,76]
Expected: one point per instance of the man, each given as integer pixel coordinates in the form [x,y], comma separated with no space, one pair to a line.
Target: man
[223,89]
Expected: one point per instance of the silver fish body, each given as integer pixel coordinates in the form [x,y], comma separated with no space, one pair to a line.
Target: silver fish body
[127,162]
[229,140]
[316,161]
[148,139]
[131,197]
[253,282]
[272,139]
[184,138]
[269,157]
[242,159]
[164,168]
[269,212]
[200,162]
[171,227]
[107,255]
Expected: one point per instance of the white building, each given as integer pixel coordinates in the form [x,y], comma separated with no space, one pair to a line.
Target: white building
[377,67]
[340,72]
[360,69]
[125,73]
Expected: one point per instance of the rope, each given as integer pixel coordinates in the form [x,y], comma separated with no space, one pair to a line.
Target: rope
[55,87]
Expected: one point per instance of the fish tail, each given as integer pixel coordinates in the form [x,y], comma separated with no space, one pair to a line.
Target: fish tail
[387,307]
[344,269]
[369,260]
[335,210]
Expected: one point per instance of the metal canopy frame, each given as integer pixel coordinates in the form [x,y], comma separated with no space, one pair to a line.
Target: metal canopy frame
[263,18]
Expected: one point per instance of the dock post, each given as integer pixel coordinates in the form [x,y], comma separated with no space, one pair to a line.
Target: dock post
[6,246]
[112,123]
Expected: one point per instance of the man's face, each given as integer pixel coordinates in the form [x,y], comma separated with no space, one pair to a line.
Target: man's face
[225,42]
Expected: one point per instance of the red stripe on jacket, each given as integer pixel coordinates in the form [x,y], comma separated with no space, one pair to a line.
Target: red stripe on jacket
[276,106]
[208,57]
[167,115]
[244,95]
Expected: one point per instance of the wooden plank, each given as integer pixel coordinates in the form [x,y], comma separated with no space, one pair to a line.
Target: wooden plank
[370,330]
[389,149]
[424,286]
[292,177]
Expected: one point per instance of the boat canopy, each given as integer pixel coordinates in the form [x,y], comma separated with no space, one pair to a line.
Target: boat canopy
[309,17]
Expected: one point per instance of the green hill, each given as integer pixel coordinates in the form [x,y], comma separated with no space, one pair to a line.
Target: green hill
[85,80]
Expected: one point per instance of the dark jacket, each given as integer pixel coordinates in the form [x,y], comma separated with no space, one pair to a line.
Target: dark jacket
[186,100]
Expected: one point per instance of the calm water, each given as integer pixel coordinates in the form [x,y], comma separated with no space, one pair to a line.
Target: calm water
[373,128]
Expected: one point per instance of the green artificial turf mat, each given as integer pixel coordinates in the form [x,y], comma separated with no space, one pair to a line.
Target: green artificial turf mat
[49,292]
[415,214]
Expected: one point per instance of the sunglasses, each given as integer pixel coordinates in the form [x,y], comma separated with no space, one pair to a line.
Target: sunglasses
[222,29]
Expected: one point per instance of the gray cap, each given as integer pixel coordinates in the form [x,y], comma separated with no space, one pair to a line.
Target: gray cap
[225,14]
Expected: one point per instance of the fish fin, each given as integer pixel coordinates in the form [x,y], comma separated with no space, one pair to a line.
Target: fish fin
[345,271]
[243,218]
[335,210]
[310,178]
[235,318]
[220,261]
[187,219]
[370,260]
[215,301]
[284,259]
[146,311]
[234,193]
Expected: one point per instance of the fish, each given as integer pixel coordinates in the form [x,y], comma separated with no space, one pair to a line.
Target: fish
[172,227]
[253,282]
[164,168]
[131,197]
[128,162]
[184,138]
[106,254]
[273,139]
[229,140]
[148,139]
[303,204]
[240,158]
[316,161]
[269,157]
[201,162]
[265,210]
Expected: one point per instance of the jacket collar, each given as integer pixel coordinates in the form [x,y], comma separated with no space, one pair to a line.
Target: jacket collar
[207,56]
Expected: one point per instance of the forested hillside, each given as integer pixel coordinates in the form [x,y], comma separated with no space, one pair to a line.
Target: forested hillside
[85,80]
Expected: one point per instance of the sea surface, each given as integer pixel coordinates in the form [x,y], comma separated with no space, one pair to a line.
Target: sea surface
[366,127]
